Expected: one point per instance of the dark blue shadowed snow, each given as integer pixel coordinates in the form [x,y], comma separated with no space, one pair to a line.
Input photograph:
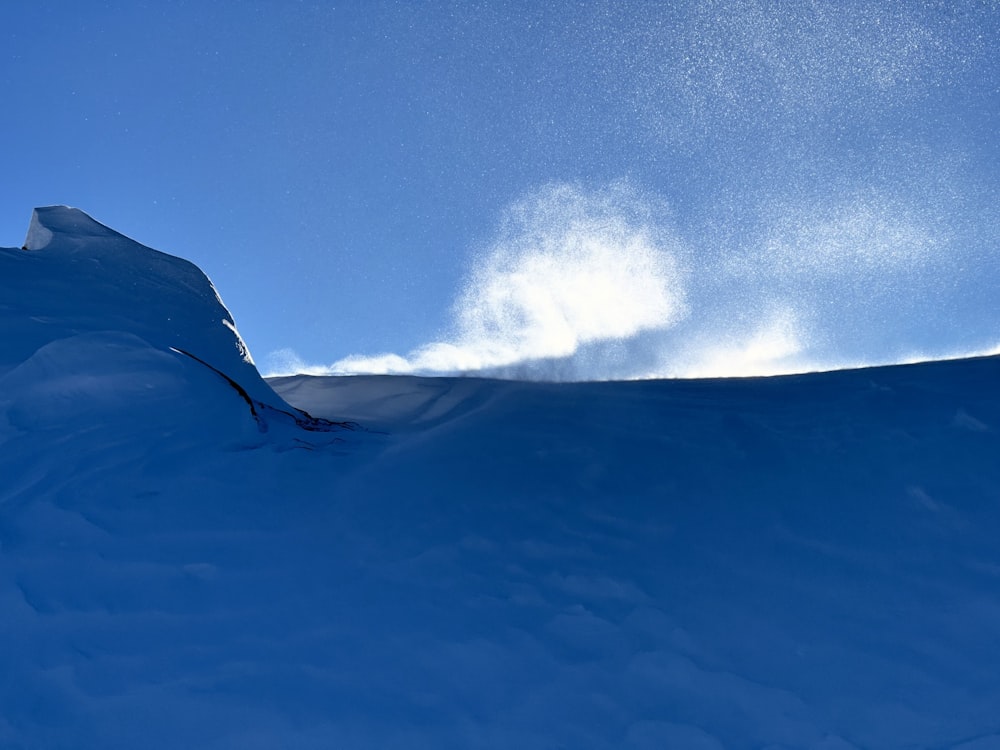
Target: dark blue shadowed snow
[793,562]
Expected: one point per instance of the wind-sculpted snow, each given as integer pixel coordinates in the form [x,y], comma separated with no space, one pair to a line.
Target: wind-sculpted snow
[783,563]
[93,320]
[75,276]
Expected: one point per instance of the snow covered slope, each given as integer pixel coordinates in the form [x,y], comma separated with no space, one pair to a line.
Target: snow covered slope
[800,562]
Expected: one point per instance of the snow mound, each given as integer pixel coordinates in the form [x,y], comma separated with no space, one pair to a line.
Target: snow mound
[116,382]
[75,277]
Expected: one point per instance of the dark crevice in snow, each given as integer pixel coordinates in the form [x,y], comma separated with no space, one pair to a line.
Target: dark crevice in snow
[233,384]
[302,419]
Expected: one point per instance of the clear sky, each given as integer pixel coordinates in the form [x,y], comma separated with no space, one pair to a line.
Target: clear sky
[618,188]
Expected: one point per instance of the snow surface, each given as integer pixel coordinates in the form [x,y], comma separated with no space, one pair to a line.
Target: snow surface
[796,562]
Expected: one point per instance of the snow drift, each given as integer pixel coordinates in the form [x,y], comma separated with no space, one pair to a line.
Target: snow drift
[75,276]
[93,320]
[796,562]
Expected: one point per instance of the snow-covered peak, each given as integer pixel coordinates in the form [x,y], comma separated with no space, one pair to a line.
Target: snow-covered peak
[38,234]
[69,223]
[75,276]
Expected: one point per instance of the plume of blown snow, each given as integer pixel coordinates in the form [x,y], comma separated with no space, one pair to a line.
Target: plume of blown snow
[570,268]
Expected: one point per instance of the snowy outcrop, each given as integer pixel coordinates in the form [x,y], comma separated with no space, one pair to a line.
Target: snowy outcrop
[75,278]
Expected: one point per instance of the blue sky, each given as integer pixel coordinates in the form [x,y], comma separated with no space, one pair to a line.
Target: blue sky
[613,189]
